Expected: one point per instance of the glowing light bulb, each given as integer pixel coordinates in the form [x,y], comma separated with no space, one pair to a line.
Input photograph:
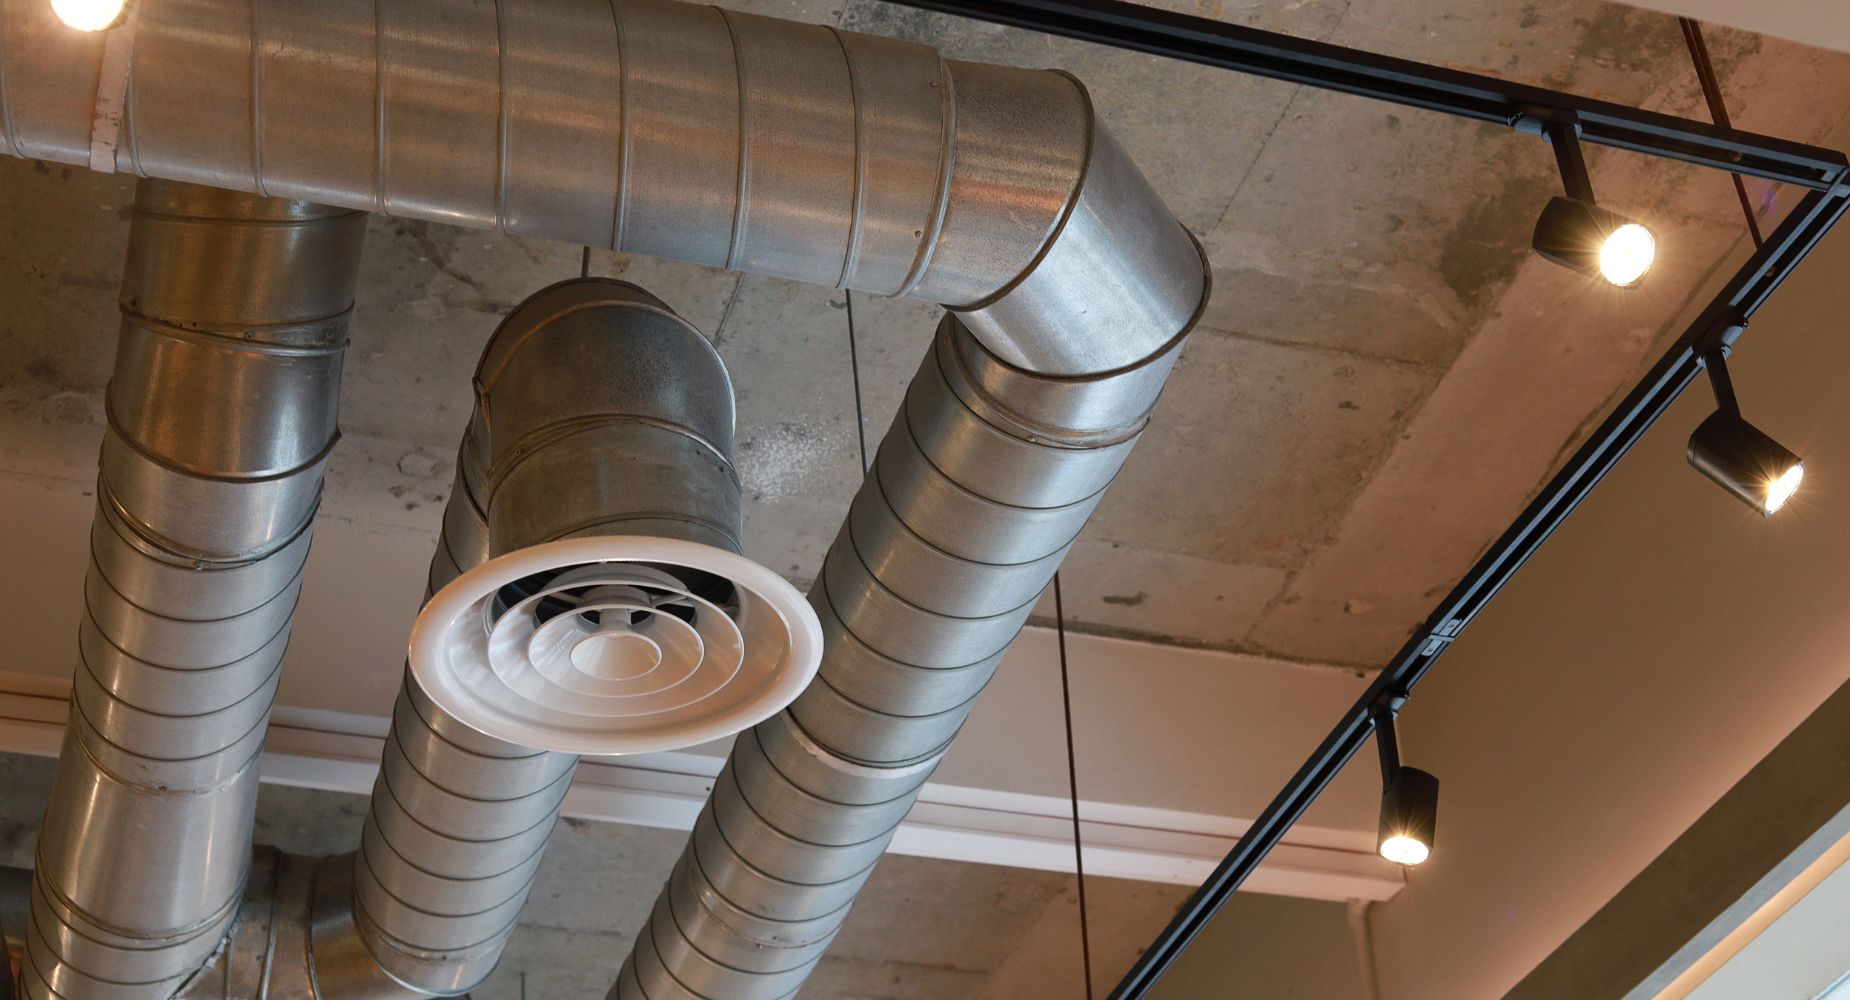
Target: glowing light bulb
[89,15]
[1404,850]
[1781,490]
[1742,459]
[1627,254]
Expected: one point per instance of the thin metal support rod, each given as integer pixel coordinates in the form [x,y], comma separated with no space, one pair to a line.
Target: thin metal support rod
[1072,785]
[15,890]
[854,366]
[1810,219]
[1476,96]
[276,922]
[1718,110]
[584,264]
[1564,137]
[7,979]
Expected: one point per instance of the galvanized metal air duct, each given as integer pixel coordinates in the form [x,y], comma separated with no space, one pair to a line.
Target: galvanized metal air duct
[288,901]
[599,412]
[653,127]
[759,145]
[221,418]
[980,487]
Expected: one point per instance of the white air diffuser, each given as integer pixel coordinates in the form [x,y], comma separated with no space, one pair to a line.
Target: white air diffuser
[616,644]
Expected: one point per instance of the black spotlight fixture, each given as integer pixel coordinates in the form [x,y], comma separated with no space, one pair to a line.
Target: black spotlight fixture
[1575,232]
[1409,799]
[1756,469]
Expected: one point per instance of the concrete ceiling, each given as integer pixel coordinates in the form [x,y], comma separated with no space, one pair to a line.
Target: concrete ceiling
[1384,375]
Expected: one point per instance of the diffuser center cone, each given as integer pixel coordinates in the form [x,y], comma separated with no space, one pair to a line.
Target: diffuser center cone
[616,656]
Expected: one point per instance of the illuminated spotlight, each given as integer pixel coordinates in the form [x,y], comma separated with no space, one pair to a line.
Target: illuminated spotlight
[1627,254]
[1590,239]
[1409,808]
[1740,457]
[1575,232]
[89,15]
[1409,801]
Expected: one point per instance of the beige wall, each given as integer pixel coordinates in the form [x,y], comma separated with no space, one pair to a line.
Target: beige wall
[1269,948]
[1824,23]
[1654,650]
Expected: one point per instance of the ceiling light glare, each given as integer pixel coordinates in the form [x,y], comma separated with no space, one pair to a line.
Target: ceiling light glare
[1781,490]
[1627,254]
[1580,235]
[1404,850]
[1742,459]
[89,15]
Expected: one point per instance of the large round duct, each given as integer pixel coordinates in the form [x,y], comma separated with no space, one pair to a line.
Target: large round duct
[619,617]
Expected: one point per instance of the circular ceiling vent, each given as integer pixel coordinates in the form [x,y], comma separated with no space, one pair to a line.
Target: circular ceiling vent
[615,645]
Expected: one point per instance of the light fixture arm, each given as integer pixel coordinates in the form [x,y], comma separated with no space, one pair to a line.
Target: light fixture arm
[1564,136]
[1386,741]
[1715,360]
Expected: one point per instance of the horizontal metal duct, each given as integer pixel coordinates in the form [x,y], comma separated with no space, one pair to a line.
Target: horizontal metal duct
[651,127]
[737,141]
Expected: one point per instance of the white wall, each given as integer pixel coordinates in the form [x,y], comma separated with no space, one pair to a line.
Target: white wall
[1798,957]
[1268,948]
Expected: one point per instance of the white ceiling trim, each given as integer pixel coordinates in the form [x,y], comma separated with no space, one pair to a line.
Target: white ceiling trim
[337,752]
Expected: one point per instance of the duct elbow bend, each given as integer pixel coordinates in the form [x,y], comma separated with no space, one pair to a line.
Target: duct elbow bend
[596,381]
[1115,282]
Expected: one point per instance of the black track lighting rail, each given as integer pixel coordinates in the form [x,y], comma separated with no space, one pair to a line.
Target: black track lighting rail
[1822,172]
[1402,81]
[1723,319]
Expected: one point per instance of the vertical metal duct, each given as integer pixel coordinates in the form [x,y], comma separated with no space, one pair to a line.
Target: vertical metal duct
[599,412]
[979,488]
[221,417]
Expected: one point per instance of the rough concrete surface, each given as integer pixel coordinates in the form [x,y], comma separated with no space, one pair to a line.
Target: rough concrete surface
[1385,375]
[1341,429]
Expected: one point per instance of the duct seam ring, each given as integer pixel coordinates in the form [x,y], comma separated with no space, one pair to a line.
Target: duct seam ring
[112,84]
